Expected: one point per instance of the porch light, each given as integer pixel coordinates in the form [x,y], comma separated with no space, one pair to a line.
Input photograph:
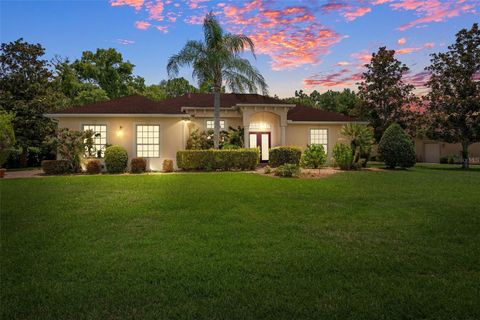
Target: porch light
[120,132]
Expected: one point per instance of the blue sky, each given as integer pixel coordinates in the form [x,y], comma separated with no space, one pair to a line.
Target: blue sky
[300,44]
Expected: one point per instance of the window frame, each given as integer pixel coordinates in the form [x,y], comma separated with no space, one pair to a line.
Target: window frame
[106,135]
[325,146]
[213,128]
[136,144]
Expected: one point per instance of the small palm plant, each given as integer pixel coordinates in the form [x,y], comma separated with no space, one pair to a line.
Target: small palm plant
[361,140]
[217,60]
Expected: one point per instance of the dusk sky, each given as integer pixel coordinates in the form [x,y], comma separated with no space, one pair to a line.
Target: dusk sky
[303,44]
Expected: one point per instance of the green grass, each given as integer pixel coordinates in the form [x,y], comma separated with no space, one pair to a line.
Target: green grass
[359,245]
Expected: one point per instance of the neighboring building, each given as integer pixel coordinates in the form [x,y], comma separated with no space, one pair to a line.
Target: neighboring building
[156,130]
[431,151]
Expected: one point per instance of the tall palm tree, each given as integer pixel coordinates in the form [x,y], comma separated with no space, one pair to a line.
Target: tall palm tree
[217,59]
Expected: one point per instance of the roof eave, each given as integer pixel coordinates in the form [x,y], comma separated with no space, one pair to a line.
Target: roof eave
[117,115]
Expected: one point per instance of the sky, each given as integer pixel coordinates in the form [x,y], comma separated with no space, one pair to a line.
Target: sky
[304,44]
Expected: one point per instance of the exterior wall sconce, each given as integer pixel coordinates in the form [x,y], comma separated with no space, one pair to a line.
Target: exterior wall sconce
[120,132]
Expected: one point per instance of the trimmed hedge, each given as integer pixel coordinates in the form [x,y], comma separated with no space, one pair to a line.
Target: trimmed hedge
[56,166]
[396,148]
[94,166]
[281,155]
[138,165]
[239,159]
[116,159]
[342,155]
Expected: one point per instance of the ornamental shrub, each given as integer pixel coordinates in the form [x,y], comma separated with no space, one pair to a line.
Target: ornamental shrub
[138,165]
[282,155]
[94,166]
[288,170]
[116,159]
[396,148]
[236,159]
[56,166]
[342,155]
[167,165]
[314,156]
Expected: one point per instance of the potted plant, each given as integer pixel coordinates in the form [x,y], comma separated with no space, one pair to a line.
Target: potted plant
[7,138]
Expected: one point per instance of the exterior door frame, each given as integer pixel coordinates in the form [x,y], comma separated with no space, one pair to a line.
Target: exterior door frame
[259,141]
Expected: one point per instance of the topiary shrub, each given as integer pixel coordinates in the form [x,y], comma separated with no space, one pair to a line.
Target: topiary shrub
[138,165]
[288,170]
[314,156]
[94,166]
[56,166]
[167,165]
[116,159]
[239,159]
[342,155]
[282,155]
[396,148]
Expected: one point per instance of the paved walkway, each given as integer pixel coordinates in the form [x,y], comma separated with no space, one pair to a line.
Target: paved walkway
[37,173]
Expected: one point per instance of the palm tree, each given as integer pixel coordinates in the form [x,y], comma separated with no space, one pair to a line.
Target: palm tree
[361,139]
[217,60]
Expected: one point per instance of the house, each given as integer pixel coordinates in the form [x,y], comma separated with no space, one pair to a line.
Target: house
[156,130]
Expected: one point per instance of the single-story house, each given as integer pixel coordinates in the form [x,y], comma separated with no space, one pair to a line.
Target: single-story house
[156,130]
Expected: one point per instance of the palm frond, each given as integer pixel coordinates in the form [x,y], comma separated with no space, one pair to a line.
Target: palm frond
[192,51]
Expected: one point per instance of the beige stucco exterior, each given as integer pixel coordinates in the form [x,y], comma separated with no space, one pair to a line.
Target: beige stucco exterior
[432,151]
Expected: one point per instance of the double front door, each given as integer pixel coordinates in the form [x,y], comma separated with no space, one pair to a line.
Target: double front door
[261,140]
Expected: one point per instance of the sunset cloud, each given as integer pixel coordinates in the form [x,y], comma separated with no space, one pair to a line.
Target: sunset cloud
[143,25]
[137,4]
[352,15]
[401,41]
[342,78]
[427,45]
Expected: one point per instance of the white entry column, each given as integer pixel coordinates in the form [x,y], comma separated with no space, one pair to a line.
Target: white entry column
[282,135]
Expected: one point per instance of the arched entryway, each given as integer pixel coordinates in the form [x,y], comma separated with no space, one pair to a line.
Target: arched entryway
[264,132]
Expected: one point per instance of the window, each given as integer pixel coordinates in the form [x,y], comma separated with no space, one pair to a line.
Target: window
[99,138]
[148,141]
[319,136]
[211,124]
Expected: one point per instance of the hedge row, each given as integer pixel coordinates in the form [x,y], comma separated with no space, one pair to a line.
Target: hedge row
[282,155]
[240,159]
[56,166]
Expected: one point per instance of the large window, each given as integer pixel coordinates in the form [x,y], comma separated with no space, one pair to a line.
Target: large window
[211,124]
[148,141]
[99,138]
[319,136]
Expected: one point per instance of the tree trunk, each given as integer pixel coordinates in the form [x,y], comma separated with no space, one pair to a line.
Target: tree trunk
[216,114]
[465,160]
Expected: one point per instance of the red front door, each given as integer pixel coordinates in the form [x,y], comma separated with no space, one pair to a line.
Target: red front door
[262,141]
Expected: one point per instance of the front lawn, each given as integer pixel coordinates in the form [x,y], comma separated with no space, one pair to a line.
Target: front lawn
[358,245]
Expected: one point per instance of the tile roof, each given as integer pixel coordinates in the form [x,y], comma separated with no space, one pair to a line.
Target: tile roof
[141,105]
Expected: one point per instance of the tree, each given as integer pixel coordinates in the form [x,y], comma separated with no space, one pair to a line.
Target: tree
[25,91]
[217,59]
[106,69]
[396,148]
[177,86]
[361,140]
[383,91]
[7,136]
[454,97]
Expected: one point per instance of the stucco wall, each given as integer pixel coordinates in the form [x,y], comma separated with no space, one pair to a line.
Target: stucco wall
[172,134]
[446,149]
[299,135]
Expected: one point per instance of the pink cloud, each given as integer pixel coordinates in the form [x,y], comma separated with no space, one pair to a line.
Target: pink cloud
[427,45]
[334,6]
[401,41]
[342,78]
[196,19]
[343,63]
[359,12]
[155,10]
[163,29]
[142,25]
[432,10]
[137,4]
[290,36]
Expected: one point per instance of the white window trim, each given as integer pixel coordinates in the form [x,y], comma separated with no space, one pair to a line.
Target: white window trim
[107,137]
[319,128]
[135,125]
[225,126]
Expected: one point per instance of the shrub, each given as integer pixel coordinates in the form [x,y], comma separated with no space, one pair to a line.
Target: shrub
[7,136]
[167,165]
[444,159]
[397,148]
[342,155]
[138,165]
[451,160]
[314,156]
[267,170]
[56,166]
[116,159]
[282,155]
[94,166]
[242,159]
[288,170]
